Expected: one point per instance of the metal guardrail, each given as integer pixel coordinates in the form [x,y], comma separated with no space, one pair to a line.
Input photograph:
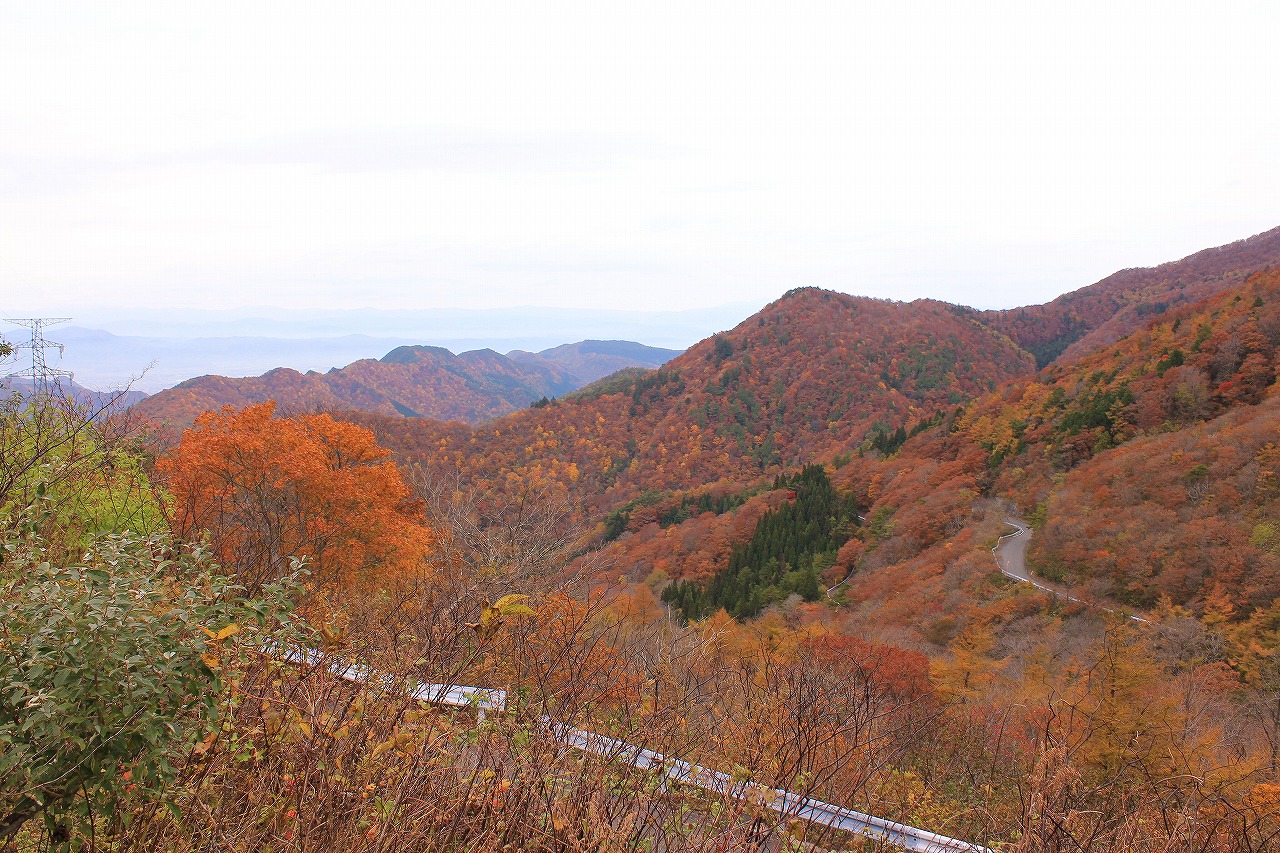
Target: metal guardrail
[784,802]
[481,698]
[671,769]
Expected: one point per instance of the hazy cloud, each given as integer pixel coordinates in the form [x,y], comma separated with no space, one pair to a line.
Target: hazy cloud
[684,154]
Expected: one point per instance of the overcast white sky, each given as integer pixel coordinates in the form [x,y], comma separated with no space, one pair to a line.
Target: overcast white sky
[608,155]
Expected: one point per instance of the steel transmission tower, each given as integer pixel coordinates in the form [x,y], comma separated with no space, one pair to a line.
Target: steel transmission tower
[40,373]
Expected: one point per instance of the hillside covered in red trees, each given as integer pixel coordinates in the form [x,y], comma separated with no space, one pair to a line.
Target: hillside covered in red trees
[1102,313]
[814,375]
[1146,467]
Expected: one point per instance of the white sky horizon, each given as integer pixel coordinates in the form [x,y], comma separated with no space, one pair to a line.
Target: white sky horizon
[678,156]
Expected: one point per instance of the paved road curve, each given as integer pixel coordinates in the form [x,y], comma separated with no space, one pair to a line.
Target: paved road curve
[1011,555]
[1011,551]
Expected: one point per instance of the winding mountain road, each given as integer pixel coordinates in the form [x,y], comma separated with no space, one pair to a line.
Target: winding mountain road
[1011,556]
[1010,552]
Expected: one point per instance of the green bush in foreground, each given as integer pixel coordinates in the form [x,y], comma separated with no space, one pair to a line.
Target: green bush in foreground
[110,676]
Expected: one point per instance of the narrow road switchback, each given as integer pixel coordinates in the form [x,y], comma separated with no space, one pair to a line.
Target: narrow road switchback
[1010,552]
[1011,556]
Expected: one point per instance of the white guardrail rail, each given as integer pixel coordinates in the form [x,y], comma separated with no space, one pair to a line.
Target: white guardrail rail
[481,698]
[670,769]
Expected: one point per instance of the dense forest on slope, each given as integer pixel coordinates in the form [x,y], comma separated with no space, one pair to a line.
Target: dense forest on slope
[1162,738]
[786,554]
[1188,366]
[413,381]
[1189,505]
[637,464]
[1141,460]
[668,470]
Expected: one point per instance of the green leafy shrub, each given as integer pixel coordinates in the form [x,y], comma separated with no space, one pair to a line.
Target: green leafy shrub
[111,675]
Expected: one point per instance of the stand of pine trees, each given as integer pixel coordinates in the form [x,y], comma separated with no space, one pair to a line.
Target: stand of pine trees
[790,548]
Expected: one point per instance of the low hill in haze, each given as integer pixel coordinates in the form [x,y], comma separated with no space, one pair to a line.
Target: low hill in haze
[413,381]
[72,392]
[586,361]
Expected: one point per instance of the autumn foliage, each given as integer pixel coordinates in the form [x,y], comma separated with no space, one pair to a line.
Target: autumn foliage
[270,489]
[925,686]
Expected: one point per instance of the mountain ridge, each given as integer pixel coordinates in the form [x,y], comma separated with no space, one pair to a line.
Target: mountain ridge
[1103,312]
[813,373]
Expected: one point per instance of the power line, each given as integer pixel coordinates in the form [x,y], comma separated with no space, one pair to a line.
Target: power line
[40,373]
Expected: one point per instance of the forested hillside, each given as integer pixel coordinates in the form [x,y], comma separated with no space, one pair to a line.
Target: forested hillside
[1186,506]
[670,471]
[1144,464]
[813,375]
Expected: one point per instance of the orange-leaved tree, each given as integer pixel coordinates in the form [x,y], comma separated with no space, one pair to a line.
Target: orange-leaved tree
[267,489]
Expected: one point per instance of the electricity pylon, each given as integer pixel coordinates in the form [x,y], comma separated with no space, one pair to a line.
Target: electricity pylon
[40,373]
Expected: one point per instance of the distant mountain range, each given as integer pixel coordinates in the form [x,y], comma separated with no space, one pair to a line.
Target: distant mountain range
[884,371]
[415,381]
[150,349]
[813,374]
